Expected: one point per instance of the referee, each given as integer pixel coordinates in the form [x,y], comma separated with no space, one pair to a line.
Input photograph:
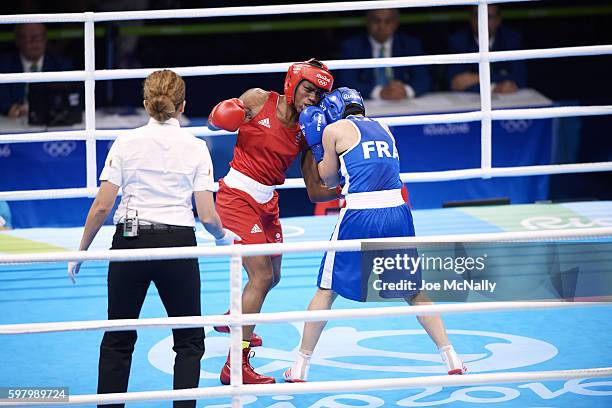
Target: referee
[159,168]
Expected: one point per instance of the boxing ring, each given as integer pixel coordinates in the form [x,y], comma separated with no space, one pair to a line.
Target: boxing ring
[521,355]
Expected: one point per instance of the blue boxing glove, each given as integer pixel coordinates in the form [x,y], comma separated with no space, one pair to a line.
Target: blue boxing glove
[312,123]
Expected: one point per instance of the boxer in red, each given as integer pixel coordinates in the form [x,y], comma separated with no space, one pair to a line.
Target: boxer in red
[269,139]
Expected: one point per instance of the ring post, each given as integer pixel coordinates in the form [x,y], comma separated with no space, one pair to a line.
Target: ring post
[236,327]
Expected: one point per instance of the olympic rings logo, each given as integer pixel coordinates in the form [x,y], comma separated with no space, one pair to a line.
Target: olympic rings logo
[446,129]
[5,150]
[57,149]
[323,77]
[516,126]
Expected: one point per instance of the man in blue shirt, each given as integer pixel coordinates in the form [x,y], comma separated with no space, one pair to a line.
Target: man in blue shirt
[31,43]
[506,76]
[382,41]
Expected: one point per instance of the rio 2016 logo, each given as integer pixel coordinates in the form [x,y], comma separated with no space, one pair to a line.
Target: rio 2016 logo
[552,222]
[346,348]
[342,342]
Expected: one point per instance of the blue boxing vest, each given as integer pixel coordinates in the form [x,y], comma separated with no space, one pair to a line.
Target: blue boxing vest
[372,164]
[374,209]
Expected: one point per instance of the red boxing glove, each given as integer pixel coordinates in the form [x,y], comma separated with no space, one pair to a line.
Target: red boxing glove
[228,115]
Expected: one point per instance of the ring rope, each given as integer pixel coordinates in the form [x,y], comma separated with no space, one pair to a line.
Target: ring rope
[234,11]
[331,386]
[416,177]
[149,254]
[283,317]
[462,58]
[498,114]
[77,192]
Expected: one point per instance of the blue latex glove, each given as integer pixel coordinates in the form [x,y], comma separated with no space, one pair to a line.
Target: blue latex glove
[227,239]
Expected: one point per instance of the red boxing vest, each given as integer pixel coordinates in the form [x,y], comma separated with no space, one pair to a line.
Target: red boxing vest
[265,148]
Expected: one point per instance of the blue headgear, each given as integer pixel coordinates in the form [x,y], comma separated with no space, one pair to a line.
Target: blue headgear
[341,103]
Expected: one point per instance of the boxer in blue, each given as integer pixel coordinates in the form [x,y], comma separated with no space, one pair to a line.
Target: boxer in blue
[358,153]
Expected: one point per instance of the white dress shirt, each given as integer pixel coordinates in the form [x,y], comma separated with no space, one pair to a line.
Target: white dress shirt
[27,65]
[158,166]
[387,47]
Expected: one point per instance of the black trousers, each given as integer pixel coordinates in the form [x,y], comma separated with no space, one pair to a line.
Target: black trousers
[178,284]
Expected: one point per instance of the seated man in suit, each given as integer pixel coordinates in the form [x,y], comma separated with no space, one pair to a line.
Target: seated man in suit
[30,56]
[383,40]
[506,76]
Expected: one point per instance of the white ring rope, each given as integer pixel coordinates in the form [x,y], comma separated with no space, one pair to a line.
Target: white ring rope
[283,317]
[497,114]
[331,386]
[48,194]
[236,11]
[439,59]
[150,254]
[416,177]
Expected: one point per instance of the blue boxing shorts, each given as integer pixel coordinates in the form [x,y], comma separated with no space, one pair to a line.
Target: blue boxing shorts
[343,271]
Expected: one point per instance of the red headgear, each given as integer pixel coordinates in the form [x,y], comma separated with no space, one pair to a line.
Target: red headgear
[311,70]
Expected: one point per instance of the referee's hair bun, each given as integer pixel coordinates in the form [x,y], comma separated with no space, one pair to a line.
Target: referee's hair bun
[164,93]
[161,108]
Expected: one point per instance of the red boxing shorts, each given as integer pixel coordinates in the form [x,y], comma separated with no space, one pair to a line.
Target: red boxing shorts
[255,223]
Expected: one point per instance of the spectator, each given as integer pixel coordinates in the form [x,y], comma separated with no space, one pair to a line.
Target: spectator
[383,40]
[506,76]
[126,47]
[5,216]
[31,42]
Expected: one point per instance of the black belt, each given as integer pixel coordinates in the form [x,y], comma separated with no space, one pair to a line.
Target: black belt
[158,227]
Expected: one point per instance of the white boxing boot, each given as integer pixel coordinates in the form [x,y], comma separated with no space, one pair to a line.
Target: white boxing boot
[454,364]
[298,372]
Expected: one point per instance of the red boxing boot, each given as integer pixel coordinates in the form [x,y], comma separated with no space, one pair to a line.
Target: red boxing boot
[256,341]
[249,376]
